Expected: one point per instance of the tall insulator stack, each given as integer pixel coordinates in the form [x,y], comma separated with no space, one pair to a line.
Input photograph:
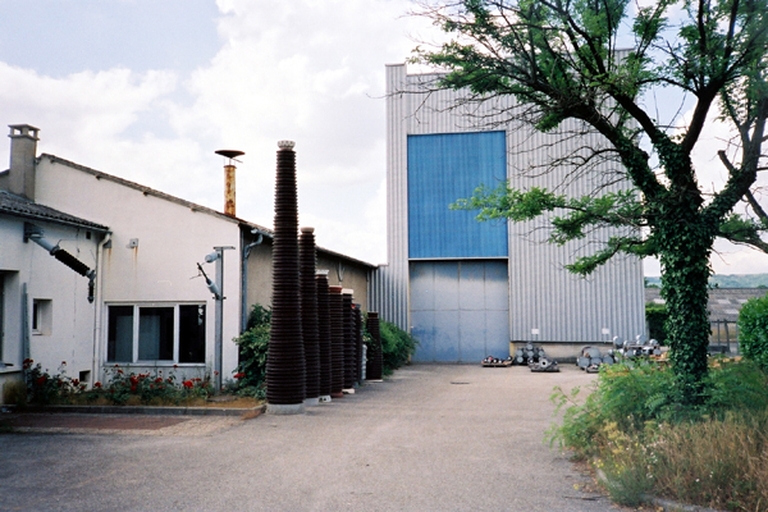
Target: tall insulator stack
[337,341]
[324,334]
[285,362]
[309,327]
[374,369]
[358,343]
[350,367]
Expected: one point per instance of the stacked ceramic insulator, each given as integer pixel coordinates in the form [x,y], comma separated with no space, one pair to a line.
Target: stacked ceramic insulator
[374,366]
[324,332]
[337,341]
[285,362]
[358,343]
[309,327]
[349,340]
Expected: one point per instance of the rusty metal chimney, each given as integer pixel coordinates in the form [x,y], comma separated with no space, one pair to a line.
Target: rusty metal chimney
[21,176]
[229,179]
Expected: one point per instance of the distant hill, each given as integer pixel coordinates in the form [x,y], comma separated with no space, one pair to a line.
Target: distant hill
[724,281]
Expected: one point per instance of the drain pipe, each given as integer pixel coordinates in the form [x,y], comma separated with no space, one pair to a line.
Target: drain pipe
[98,315]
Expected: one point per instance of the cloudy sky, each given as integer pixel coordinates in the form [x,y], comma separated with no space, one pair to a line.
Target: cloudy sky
[148,89]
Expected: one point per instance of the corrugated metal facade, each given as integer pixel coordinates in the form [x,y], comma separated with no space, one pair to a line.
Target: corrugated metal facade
[546,303]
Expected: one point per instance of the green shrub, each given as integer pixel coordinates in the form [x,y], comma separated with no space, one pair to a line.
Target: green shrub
[397,346]
[251,373]
[753,330]
[633,429]
[656,316]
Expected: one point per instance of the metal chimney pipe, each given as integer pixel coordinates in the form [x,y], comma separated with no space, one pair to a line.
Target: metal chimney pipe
[229,179]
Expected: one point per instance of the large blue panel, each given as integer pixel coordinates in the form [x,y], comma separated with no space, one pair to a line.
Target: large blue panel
[441,169]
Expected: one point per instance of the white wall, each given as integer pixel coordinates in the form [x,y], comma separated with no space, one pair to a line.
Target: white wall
[171,237]
[72,316]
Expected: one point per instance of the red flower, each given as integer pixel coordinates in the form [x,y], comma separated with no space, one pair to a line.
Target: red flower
[75,382]
[188,384]
[158,380]
[40,380]
[27,363]
[97,384]
[120,371]
[239,375]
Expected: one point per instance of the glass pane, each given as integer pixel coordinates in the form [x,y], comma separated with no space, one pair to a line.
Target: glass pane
[120,334]
[192,334]
[155,334]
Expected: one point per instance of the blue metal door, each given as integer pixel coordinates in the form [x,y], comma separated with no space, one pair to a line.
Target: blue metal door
[459,310]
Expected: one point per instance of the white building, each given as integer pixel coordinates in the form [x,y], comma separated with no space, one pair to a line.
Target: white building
[466,289]
[46,304]
[143,304]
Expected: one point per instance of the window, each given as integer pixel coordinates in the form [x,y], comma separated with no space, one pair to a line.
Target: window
[173,333]
[41,317]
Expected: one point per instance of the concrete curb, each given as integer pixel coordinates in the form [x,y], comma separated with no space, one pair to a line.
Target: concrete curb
[140,409]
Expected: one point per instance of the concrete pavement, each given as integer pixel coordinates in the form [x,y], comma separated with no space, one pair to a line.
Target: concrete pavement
[433,437]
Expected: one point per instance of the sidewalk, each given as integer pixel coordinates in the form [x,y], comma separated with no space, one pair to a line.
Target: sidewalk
[433,437]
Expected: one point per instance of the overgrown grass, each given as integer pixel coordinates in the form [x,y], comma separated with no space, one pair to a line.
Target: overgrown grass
[641,442]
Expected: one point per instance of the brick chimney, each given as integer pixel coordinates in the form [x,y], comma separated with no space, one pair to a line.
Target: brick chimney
[21,175]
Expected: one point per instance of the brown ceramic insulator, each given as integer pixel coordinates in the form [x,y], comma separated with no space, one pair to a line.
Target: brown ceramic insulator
[375,367]
[337,341]
[324,333]
[350,367]
[309,327]
[285,362]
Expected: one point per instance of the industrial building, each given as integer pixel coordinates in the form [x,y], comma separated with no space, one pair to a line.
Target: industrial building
[466,289]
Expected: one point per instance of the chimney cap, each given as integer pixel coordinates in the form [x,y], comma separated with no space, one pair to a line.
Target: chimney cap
[23,130]
[285,144]
[229,153]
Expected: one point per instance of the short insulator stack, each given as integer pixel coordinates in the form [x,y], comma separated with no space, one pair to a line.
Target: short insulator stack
[285,362]
[350,368]
[374,368]
[309,327]
[337,341]
[324,333]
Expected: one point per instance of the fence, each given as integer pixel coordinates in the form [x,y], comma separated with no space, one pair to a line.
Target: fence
[724,336]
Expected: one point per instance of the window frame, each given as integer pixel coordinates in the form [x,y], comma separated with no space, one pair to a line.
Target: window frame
[136,332]
[42,317]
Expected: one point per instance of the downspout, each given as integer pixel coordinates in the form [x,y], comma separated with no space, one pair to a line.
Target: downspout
[99,313]
[244,276]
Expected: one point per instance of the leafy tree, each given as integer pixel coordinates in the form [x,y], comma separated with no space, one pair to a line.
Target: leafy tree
[559,59]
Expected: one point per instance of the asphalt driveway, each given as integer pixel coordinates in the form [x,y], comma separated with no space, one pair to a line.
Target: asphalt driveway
[433,437]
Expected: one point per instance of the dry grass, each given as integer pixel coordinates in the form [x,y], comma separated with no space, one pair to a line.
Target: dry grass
[722,464]
[718,463]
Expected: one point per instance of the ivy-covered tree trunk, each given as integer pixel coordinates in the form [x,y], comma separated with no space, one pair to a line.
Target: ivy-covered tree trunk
[684,249]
